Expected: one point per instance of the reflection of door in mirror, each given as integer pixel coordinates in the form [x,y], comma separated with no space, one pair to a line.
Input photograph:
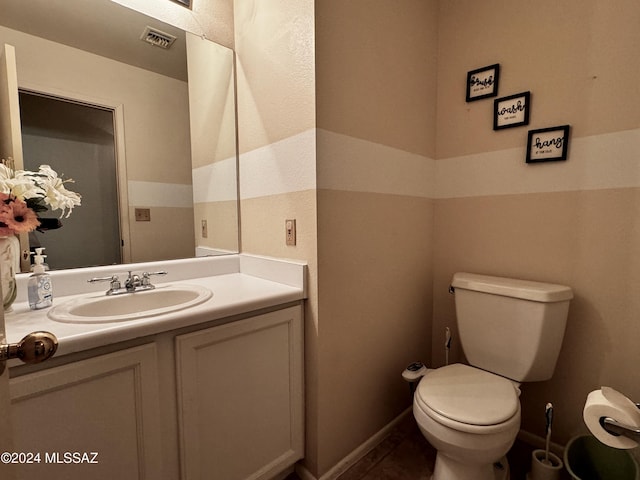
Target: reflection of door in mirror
[78,142]
[177,140]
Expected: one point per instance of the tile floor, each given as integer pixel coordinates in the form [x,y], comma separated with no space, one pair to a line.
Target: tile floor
[406,455]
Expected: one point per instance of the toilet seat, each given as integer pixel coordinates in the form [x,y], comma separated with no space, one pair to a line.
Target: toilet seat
[467,398]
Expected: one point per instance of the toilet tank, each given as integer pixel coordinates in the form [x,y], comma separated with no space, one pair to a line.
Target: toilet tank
[511,327]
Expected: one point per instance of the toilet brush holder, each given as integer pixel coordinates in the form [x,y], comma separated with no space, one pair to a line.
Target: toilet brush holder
[545,470]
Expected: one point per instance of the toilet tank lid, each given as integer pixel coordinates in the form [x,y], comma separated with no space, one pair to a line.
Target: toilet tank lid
[510,287]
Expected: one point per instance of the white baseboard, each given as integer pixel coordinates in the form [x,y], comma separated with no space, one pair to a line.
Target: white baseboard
[357,454]
[343,465]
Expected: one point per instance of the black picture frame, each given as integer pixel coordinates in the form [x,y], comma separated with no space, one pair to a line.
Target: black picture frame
[483,82]
[548,144]
[511,111]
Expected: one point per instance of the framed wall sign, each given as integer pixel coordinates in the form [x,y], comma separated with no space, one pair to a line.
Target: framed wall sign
[548,144]
[483,82]
[511,111]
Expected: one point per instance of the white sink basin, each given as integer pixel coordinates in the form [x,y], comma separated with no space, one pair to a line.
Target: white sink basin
[130,306]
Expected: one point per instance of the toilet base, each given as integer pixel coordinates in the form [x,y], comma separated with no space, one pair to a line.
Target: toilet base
[449,469]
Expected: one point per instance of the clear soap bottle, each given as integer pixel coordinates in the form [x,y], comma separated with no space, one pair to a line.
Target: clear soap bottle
[39,288]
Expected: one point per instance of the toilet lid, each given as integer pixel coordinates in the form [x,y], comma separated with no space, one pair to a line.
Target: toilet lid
[469,395]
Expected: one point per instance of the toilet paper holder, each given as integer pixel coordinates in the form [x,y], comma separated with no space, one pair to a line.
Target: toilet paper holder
[613,427]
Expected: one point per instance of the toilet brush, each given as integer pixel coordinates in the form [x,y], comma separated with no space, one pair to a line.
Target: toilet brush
[548,413]
[447,344]
[544,464]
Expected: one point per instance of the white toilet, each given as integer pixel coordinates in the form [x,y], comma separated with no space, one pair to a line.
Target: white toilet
[511,332]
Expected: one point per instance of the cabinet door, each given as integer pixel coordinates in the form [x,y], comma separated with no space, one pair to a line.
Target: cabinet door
[240,398]
[104,409]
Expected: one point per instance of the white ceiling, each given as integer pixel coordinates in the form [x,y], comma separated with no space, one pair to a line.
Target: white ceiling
[99,26]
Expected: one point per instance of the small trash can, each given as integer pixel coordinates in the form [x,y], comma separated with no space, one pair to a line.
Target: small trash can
[586,458]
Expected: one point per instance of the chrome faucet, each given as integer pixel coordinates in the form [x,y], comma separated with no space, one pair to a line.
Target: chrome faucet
[133,283]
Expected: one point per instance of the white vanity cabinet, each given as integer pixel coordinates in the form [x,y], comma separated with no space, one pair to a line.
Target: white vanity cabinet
[96,418]
[240,397]
[221,401]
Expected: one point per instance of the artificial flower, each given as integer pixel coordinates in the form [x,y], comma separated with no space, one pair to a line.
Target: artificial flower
[17,216]
[56,194]
[24,193]
[13,183]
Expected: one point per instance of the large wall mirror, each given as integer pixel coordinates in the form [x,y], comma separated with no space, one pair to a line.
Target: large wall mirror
[148,133]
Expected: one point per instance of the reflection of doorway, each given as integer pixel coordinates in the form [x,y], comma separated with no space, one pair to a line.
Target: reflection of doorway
[78,142]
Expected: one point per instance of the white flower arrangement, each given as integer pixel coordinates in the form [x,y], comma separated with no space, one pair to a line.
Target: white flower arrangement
[24,193]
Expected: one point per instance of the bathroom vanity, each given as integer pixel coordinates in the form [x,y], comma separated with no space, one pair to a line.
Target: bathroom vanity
[214,391]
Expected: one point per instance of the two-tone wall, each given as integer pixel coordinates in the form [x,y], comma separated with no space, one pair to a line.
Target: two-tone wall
[353,120]
[376,74]
[274,43]
[337,129]
[212,115]
[321,141]
[575,222]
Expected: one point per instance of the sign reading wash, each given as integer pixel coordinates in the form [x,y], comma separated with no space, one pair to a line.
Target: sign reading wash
[548,144]
[511,111]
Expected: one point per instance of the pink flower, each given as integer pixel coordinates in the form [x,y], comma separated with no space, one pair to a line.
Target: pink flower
[5,213]
[15,216]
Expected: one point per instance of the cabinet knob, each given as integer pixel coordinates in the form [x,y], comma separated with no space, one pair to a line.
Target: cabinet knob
[36,347]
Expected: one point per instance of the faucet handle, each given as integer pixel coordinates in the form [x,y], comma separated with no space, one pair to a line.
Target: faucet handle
[146,275]
[112,279]
[115,282]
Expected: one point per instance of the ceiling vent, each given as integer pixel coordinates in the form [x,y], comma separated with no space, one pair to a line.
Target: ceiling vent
[157,37]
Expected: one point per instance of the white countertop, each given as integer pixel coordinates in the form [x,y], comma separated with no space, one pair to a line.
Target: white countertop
[236,290]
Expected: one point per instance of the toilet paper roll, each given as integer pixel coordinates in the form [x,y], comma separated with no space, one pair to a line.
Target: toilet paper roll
[618,398]
[597,406]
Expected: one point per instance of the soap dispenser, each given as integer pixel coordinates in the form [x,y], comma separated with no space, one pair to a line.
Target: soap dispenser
[39,289]
[44,264]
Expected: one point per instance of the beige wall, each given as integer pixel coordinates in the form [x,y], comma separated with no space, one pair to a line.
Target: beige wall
[276,121]
[374,315]
[586,239]
[377,72]
[573,222]
[357,178]
[375,97]
[357,127]
[572,56]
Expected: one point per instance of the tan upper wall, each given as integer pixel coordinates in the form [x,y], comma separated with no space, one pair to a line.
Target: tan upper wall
[577,57]
[274,45]
[368,87]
